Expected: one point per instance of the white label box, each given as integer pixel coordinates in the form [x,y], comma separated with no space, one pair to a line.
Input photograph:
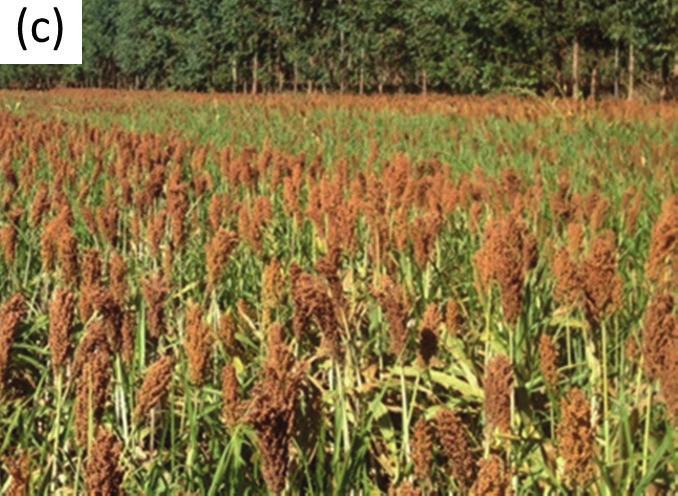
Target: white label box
[41,32]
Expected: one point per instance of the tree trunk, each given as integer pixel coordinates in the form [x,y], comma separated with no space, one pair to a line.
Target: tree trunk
[342,50]
[234,73]
[255,73]
[616,70]
[295,83]
[558,51]
[424,82]
[632,70]
[575,68]
[281,76]
[593,90]
[665,77]
[361,82]
[558,57]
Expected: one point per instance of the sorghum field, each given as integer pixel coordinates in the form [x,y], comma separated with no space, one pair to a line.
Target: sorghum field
[209,294]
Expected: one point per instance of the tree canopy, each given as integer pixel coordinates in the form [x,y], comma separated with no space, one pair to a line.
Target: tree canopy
[565,47]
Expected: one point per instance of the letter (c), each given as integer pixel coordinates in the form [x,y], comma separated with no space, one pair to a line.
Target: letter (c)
[35,30]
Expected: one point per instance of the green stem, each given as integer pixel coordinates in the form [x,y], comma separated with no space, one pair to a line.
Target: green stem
[193,415]
[512,413]
[57,420]
[486,359]
[347,437]
[606,421]
[646,435]
[568,341]
[413,401]
[405,416]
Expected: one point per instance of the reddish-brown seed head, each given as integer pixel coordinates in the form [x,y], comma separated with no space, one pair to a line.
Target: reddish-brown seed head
[155,387]
[198,344]
[61,315]
[12,313]
[576,439]
[498,385]
[454,442]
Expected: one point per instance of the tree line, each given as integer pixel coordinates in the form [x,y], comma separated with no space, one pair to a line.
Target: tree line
[563,47]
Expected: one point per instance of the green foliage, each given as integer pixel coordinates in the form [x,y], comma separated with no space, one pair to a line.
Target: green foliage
[470,46]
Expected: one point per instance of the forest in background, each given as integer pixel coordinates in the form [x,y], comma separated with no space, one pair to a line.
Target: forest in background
[572,48]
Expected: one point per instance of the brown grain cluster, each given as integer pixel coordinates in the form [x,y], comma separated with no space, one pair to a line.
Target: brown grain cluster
[177,206]
[493,478]
[329,267]
[230,392]
[90,282]
[40,205]
[498,384]
[12,313]
[428,334]
[548,361]
[278,356]
[456,448]
[215,211]
[425,235]
[156,231]
[593,284]
[252,222]
[155,292]
[271,412]
[660,349]
[95,340]
[508,252]
[602,285]
[117,274]
[67,255]
[454,320]
[272,288]
[576,439]
[155,386]
[128,336]
[313,304]
[634,201]
[52,232]
[660,329]
[198,344]
[93,381]
[103,473]
[107,218]
[575,238]
[19,471]
[227,333]
[217,252]
[61,315]
[662,264]
[405,489]
[422,450]
[561,200]
[394,303]
[568,283]
[9,236]
[669,381]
